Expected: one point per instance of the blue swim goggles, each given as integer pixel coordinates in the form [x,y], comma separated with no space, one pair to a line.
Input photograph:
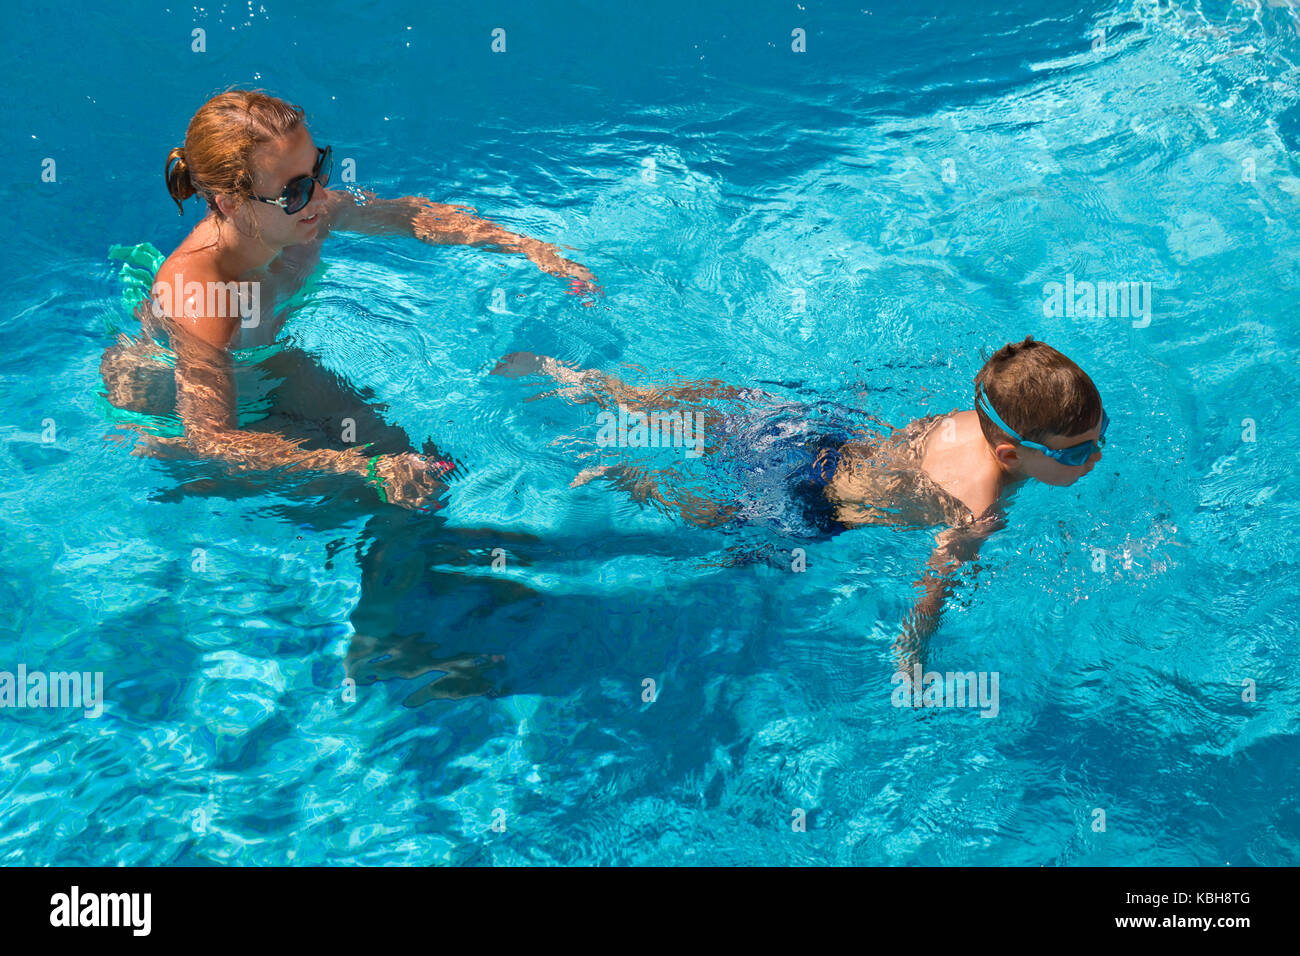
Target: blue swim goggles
[1074,456]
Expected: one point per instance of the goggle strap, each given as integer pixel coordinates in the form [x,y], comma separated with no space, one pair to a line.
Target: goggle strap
[983,397]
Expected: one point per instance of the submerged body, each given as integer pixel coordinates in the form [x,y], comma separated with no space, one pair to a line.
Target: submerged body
[811,477]
[809,480]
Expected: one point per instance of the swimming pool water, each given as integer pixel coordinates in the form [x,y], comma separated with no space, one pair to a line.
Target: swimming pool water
[915,180]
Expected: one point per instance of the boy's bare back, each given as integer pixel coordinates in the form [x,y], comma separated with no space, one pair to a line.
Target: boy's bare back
[952,456]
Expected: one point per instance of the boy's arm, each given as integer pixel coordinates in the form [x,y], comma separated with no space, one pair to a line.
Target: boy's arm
[441,224]
[953,548]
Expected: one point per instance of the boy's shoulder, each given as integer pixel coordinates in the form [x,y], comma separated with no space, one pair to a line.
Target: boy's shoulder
[956,459]
[983,497]
[979,492]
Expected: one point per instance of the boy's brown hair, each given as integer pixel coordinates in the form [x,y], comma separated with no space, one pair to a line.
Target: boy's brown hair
[1037,391]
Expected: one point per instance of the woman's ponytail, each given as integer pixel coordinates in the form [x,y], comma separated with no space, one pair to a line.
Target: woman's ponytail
[179,183]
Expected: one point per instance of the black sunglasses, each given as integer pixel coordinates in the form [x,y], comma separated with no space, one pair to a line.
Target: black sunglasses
[298,193]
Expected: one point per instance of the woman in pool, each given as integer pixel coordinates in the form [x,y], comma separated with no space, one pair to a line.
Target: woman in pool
[252,159]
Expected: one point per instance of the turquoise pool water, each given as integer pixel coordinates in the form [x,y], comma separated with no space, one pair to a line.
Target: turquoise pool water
[859,223]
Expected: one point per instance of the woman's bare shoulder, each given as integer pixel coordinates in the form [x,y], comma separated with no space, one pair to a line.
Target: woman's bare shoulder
[184,288]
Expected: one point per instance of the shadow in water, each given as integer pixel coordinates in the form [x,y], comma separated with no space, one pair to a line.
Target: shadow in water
[433,611]
[415,617]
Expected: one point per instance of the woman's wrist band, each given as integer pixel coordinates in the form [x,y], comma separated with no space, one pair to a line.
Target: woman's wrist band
[372,476]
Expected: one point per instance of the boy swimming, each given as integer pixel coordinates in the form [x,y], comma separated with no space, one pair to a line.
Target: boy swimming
[1037,415]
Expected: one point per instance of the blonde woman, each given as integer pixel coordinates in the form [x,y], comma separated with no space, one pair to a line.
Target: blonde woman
[264,179]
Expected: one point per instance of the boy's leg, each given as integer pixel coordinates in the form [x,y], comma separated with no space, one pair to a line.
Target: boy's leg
[644,485]
[590,385]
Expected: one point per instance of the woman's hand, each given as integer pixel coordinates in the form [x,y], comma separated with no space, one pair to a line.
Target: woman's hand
[548,259]
[412,481]
[583,282]
[585,289]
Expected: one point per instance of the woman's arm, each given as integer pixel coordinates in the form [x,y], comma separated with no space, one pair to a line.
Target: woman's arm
[441,224]
[205,402]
